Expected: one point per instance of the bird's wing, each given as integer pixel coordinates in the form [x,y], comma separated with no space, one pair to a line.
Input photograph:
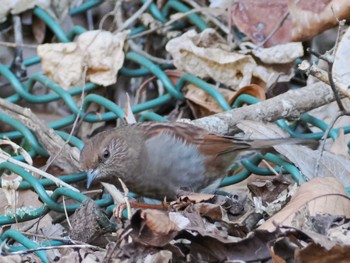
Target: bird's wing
[207,143]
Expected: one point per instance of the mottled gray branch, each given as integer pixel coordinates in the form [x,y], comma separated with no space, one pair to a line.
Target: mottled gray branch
[289,105]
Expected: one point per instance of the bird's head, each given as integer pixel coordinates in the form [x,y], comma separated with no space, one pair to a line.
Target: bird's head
[102,157]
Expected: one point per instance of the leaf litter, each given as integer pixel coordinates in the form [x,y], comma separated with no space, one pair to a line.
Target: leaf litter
[272,218]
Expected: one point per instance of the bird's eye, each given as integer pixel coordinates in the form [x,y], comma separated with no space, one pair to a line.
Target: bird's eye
[106,154]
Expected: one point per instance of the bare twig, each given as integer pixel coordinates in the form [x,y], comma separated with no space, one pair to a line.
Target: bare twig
[341,24]
[324,139]
[270,167]
[323,76]
[28,167]
[134,17]
[14,45]
[66,213]
[181,16]
[275,29]
[27,251]
[135,48]
[332,84]
[210,17]
[76,120]
[113,13]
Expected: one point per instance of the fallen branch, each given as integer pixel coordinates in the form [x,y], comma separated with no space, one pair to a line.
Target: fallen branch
[68,160]
[289,105]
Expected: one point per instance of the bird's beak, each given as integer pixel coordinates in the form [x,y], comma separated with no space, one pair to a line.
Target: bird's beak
[91,176]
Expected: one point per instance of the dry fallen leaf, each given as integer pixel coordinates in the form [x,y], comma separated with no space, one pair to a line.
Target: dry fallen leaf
[306,159]
[318,196]
[19,6]
[129,116]
[207,55]
[100,51]
[203,104]
[152,227]
[280,54]
[316,254]
[161,256]
[306,18]
[201,55]
[267,187]
[303,157]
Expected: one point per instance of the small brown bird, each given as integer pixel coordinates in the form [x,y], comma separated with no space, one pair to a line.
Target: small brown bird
[157,159]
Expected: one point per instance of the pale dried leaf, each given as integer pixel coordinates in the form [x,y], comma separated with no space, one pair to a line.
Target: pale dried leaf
[222,4]
[162,256]
[11,259]
[63,63]
[260,130]
[18,150]
[327,113]
[100,51]
[117,196]
[280,54]
[104,53]
[177,218]
[19,6]
[319,196]
[207,55]
[129,115]
[70,256]
[263,72]
[9,186]
[303,157]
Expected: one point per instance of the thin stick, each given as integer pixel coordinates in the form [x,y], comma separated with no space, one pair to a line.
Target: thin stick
[322,75]
[66,213]
[135,48]
[14,45]
[57,181]
[27,251]
[126,192]
[324,138]
[211,18]
[277,27]
[196,10]
[82,97]
[135,16]
[270,167]
[274,31]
